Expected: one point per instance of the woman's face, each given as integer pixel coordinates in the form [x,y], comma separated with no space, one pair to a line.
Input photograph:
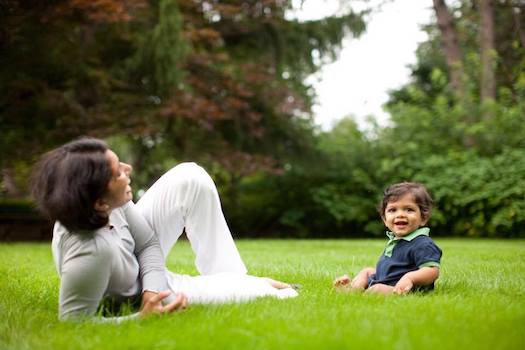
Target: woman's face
[119,190]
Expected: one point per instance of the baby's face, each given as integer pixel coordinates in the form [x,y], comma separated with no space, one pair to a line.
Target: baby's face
[403,216]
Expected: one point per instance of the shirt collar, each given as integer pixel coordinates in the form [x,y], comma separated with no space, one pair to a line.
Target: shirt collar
[423,231]
[392,239]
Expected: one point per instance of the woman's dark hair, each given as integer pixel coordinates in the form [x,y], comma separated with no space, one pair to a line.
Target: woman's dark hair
[68,180]
[420,193]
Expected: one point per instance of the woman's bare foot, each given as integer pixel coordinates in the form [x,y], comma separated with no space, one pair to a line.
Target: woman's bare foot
[277,284]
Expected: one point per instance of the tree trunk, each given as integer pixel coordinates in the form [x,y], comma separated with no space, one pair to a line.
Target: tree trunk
[517,12]
[451,47]
[488,52]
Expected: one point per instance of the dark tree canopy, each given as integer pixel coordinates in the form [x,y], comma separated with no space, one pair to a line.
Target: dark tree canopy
[217,77]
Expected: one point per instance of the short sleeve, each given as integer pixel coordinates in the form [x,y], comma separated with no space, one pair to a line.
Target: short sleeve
[426,253]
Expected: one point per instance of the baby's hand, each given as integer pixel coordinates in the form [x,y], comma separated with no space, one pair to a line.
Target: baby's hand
[404,285]
[341,281]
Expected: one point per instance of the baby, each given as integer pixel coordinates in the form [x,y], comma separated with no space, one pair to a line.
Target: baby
[411,260]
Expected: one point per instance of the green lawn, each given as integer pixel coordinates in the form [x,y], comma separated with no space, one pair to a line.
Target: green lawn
[479,303]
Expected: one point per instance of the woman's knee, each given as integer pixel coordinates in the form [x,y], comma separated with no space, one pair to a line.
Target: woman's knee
[194,174]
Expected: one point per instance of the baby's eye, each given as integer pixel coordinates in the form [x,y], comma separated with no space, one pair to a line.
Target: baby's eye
[391,210]
[410,209]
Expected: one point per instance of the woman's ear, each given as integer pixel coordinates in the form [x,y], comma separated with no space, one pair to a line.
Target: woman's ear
[100,205]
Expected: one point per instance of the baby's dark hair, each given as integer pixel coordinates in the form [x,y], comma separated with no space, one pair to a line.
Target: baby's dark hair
[420,193]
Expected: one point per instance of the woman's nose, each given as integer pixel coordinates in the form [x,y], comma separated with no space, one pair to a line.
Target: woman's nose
[127,168]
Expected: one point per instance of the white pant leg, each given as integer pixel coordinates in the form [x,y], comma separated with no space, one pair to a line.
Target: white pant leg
[224,288]
[186,197]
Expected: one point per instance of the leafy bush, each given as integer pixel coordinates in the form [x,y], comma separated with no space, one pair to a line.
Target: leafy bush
[478,196]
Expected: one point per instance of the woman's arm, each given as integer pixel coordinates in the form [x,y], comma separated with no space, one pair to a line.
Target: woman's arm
[148,252]
[84,278]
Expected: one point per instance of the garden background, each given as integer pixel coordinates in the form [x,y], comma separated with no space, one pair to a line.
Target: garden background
[223,83]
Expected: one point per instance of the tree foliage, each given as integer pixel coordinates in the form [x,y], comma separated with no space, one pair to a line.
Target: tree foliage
[222,83]
[219,81]
[472,165]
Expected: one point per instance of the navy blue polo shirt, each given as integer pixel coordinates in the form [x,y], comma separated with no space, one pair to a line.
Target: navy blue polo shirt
[406,254]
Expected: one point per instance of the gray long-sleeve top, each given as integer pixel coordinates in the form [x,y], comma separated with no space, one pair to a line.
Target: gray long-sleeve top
[120,261]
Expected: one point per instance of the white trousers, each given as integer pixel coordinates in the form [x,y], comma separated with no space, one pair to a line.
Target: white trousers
[186,198]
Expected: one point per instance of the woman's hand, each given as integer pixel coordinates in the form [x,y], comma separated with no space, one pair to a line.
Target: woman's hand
[152,303]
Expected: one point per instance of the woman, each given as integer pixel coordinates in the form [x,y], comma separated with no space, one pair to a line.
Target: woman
[106,248]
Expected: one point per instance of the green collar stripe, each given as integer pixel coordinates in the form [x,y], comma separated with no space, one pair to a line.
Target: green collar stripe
[392,239]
